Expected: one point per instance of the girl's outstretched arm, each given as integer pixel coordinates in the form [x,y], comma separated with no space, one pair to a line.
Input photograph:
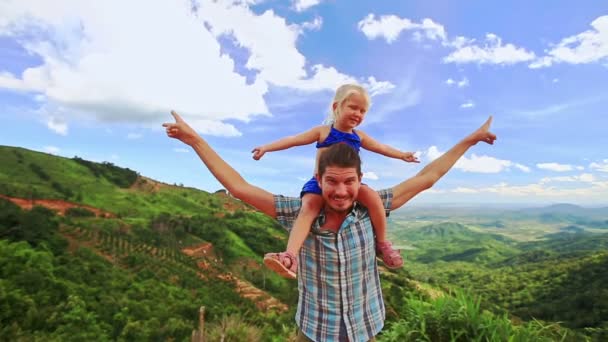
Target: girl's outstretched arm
[373,145]
[305,138]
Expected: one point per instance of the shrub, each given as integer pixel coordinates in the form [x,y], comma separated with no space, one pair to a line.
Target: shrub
[79,212]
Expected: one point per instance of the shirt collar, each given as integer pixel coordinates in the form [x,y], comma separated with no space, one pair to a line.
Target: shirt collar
[355,211]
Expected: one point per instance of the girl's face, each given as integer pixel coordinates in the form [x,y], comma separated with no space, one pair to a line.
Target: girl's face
[352,111]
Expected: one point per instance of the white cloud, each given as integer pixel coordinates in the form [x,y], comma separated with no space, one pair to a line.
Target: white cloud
[370,175]
[522,167]
[375,87]
[463,83]
[584,177]
[57,125]
[402,96]
[482,164]
[601,166]
[9,81]
[492,52]
[515,190]
[477,164]
[586,47]
[51,149]
[390,27]
[271,42]
[213,127]
[468,104]
[181,150]
[433,153]
[589,192]
[302,5]
[559,107]
[555,167]
[313,25]
[555,80]
[465,190]
[328,78]
[97,63]
[460,84]
[134,136]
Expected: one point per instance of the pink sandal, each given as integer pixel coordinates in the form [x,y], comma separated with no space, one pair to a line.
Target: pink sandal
[276,262]
[391,257]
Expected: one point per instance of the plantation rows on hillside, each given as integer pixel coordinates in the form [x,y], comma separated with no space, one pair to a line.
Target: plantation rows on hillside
[122,275]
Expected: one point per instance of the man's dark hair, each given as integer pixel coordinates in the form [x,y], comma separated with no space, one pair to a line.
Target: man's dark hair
[339,155]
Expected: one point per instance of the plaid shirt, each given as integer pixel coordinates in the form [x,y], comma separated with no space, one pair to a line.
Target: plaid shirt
[338,278]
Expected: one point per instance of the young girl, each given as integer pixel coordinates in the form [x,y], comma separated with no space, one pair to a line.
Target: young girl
[348,109]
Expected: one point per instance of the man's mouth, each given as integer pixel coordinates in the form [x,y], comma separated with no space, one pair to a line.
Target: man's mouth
[339,199]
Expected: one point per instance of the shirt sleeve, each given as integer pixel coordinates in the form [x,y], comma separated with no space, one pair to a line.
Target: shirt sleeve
[386,195]
[287,209]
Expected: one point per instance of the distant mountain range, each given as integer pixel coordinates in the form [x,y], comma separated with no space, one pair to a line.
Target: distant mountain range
[556,213]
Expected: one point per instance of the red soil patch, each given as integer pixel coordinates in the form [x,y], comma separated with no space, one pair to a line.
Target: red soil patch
[206,262]
[59,206]
[232,204]
[199,251]
[148,185]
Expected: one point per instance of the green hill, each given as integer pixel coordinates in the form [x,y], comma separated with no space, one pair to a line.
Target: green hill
[450,241]
[124,276]
[559,278]
[142,238]
[30,174]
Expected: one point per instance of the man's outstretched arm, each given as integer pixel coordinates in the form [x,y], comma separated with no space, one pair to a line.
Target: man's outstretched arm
[225,174]
[428,176]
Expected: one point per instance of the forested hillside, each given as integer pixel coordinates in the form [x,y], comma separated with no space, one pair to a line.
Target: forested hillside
[557,273]
[93,251]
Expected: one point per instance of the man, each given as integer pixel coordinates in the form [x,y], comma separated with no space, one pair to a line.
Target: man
[340,297]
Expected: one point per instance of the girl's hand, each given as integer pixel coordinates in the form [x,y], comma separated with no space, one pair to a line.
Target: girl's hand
[410,157]
[258,152]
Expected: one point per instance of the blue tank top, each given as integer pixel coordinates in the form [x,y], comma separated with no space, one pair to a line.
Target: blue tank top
[335,136]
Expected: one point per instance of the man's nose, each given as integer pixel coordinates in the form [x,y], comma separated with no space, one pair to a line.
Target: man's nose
[340,190]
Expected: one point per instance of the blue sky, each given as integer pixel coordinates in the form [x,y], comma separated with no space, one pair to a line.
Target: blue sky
[97,79]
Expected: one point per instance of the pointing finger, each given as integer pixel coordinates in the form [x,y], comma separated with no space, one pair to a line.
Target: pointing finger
[176,116]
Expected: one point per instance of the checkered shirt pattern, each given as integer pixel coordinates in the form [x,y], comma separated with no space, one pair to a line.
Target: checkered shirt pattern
[338,279]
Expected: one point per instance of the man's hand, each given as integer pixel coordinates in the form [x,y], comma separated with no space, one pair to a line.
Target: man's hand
[483,134]
[410,157]
[180,130]
[258,152]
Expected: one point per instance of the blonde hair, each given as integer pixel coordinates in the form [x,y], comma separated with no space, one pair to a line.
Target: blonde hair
[342,93]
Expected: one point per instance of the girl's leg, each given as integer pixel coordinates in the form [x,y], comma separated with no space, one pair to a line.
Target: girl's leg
[371,200]
[285,263]
[311,207]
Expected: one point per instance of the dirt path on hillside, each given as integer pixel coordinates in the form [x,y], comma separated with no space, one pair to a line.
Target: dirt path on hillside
[60,206]
[205,261]
[263,300]
[202,253]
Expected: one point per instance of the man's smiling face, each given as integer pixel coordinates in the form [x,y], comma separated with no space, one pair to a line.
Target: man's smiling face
[340,187]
